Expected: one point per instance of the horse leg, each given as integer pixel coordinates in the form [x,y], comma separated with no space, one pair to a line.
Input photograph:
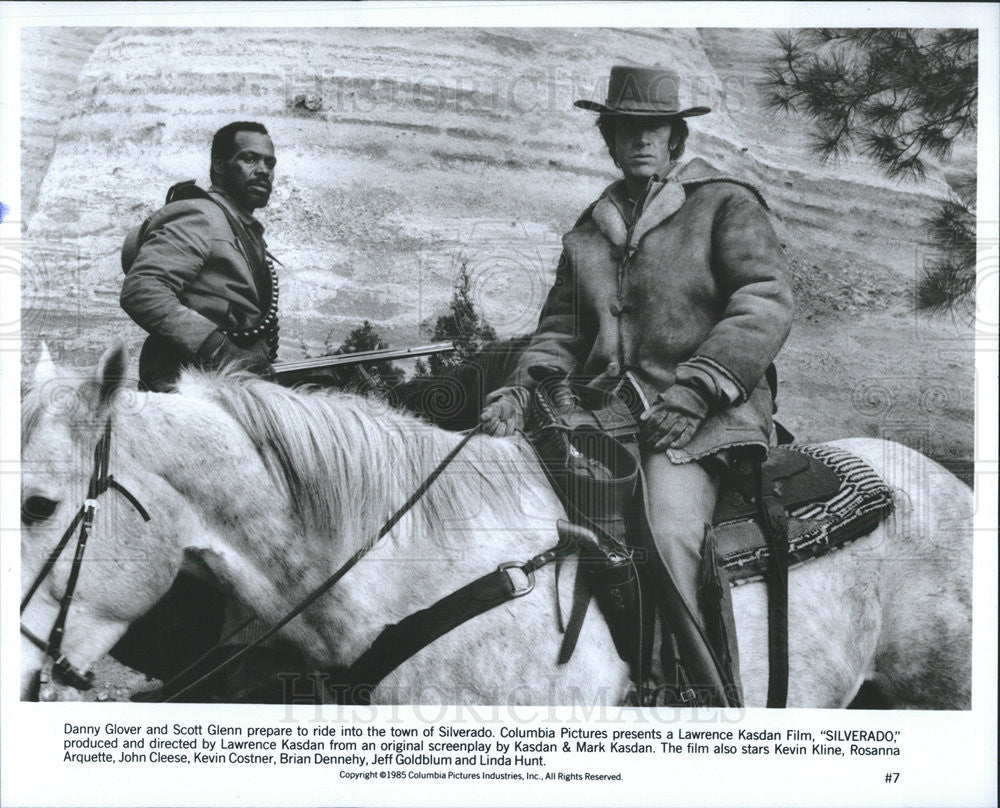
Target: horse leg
[924,656]
[833,627]
[924,659]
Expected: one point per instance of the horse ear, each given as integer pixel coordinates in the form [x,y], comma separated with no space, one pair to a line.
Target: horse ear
[45,368]
[110,374]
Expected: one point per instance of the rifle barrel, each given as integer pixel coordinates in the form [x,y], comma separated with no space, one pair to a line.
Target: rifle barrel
[362,357]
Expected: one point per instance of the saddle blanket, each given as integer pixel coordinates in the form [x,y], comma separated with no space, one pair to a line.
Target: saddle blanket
[814,528]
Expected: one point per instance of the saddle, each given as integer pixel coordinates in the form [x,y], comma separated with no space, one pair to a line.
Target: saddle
[830,497]
[769,515]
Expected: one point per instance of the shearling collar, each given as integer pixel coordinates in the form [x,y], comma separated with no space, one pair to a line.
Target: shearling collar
[613,211]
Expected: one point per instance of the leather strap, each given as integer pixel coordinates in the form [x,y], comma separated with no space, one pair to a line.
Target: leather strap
[324,587]
[578,611]
[253,251]
[675,610]
[402,640]
[775,525]
[100,482]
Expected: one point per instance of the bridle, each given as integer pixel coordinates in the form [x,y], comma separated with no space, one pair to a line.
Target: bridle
[55,661]
[487,592]
[57,667]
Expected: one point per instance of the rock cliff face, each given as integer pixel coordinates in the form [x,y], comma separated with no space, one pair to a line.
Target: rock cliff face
[404,155]
[54,59]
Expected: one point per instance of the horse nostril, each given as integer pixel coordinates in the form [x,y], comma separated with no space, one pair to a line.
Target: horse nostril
[37,509]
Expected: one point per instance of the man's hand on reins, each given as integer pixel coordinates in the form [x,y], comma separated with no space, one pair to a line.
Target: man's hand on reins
[504,413]
[675,416]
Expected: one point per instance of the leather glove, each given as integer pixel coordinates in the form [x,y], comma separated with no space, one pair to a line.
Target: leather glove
[675,416]
[218,350]
[504,411]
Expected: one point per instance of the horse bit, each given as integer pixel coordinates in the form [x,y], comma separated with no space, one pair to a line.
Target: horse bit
[55,660]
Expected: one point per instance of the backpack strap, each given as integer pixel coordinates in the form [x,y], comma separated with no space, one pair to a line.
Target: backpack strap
[256,258]
[248,245]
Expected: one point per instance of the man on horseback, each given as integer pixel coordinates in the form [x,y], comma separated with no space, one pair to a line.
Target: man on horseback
[200,280]
[198,276]
[671,291]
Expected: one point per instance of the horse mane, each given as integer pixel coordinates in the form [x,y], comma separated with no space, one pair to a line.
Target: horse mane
[347,462]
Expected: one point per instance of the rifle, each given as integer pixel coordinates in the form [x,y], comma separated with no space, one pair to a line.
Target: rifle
[288,370]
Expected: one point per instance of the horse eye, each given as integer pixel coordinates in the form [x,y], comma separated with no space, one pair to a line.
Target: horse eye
[37,509]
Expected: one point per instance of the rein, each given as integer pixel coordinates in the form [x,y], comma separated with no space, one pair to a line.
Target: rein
[397,643]
[324,587]
[100,482]
[391,648]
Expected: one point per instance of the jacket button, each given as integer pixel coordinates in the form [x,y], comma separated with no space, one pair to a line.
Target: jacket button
[614,368]
[615,309]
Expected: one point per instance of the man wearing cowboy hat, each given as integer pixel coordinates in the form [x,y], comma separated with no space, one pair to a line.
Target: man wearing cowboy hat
[671,284]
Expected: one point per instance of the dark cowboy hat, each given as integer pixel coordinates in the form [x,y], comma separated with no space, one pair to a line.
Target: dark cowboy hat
[642,91]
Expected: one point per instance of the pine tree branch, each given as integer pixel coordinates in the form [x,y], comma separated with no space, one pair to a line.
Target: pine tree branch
[894,95]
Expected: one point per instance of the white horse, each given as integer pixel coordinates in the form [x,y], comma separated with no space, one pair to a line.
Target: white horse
[273,489]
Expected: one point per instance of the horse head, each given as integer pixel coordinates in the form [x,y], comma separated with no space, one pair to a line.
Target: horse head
[79,484]
[196,463]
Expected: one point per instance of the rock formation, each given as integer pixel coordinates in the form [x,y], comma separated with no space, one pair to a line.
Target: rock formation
[405,154]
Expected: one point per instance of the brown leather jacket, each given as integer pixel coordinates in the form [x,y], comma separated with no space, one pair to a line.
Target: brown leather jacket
[696,284]
[190,277]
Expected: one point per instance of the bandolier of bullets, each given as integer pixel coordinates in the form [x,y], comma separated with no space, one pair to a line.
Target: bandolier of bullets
[267,327]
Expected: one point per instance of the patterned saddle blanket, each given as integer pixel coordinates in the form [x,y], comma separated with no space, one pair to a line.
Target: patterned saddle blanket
[832,498]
